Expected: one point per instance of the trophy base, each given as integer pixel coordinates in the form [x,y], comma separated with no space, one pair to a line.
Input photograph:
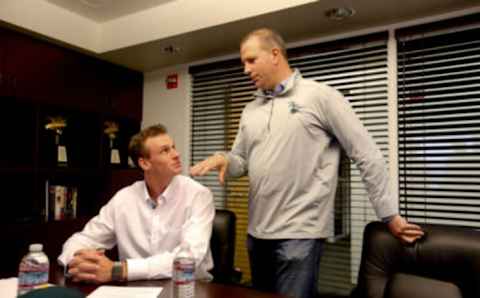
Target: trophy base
[114,157]
[62,155]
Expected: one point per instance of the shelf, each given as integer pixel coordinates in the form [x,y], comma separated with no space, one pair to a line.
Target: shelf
[86,172]
[52,82]
[17,170]
[61,170]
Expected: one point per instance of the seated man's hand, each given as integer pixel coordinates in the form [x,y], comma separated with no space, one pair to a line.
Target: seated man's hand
[91,266]
[406,232]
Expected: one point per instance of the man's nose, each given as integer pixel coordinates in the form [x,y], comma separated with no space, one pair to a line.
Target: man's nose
[175,153]
[246,69]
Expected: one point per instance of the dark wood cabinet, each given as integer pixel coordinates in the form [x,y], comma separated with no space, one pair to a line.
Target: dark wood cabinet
[45,73]
[2,75]
[38,81]
[16,238]
[32,66]
[123,87]
[18,133]
[6,81]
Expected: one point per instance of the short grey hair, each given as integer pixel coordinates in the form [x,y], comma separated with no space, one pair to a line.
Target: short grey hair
[269,39]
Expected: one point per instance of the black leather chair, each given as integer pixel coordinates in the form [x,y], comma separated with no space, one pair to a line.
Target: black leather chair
[445,263]
[222,245]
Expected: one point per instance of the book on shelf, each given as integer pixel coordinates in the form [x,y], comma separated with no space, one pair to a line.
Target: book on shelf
[61,202]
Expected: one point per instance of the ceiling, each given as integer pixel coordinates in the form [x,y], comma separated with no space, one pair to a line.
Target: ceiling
[106,10]
[299,23]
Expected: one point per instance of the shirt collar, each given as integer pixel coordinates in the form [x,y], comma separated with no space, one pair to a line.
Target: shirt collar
[281,88]
[167,195]
[277,90]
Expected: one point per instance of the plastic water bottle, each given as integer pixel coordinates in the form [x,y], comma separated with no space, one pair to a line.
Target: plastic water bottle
[33,269]
[183,273]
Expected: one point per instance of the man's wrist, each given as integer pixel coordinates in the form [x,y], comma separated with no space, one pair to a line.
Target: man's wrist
[119,271]
[65,271]
[125,270]
[387,219]
[222,154]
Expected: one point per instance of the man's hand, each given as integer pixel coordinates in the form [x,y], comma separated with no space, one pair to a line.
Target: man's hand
[91,266]
[215,162]
[406,232]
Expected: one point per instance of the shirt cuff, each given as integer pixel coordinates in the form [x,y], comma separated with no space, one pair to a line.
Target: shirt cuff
[137,269]
[387,219]
[155,267]
[65,258]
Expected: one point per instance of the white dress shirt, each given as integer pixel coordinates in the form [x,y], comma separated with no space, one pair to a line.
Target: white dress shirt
[148,235]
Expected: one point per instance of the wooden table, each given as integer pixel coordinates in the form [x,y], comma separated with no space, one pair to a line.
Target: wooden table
[202,289]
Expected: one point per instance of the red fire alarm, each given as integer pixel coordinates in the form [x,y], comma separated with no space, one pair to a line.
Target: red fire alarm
[172,81]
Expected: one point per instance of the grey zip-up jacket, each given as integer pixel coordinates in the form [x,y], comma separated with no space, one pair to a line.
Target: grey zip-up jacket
[289,145]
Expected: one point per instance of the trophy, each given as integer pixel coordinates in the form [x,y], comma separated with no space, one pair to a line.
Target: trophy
[58,124]
[111,130]
[131,164]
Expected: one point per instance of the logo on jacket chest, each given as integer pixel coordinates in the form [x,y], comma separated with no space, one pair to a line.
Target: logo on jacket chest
[293,107]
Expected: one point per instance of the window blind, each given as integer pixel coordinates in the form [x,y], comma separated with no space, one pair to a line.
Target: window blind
[439,122]
[220,91]
[357,68]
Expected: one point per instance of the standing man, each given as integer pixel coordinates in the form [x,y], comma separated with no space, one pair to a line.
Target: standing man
[148,220]
[289,142]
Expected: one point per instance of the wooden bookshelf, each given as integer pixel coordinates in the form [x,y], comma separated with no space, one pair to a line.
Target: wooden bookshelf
[38,80]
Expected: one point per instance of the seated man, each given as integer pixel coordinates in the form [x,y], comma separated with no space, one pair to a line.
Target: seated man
[148,220]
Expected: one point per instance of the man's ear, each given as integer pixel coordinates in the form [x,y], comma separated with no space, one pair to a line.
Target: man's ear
[276,55]
[143,163]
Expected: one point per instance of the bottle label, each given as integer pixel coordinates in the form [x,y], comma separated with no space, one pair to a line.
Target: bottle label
[32,274]
[184,291]
[184,271]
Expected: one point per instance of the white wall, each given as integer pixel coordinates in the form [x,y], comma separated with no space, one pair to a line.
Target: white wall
[171,107]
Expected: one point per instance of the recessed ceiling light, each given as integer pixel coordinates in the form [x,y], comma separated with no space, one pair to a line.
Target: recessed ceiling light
[339,13]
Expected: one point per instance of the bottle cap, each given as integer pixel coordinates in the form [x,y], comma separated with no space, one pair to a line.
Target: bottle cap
[35,247]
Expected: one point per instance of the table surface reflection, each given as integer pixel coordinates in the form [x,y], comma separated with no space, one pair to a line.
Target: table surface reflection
[202,289]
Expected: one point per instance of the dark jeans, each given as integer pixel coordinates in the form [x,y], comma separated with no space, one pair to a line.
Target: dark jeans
[286,266]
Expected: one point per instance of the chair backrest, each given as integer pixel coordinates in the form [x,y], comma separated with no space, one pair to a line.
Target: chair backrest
[222,244]
[444,263]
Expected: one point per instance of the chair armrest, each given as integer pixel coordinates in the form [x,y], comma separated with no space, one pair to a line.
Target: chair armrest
[233,277]
[236,275]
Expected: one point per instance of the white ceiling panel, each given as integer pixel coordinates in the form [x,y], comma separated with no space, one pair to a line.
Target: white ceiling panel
[106,10]
[208,33]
